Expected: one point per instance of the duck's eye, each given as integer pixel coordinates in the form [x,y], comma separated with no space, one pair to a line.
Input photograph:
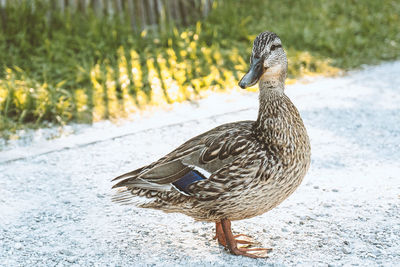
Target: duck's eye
[273,47]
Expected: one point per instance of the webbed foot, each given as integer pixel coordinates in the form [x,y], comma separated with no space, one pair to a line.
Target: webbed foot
[238,244]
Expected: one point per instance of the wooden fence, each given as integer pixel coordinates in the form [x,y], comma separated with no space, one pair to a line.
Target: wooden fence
[140,13]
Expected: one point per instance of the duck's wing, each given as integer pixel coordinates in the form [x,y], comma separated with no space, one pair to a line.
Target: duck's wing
[195,160]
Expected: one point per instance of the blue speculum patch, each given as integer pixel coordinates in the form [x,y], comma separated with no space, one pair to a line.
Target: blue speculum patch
[188,179]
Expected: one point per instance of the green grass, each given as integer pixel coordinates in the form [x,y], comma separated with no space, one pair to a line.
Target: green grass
[83,69]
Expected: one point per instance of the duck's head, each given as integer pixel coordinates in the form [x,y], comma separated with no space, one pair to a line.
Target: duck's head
[268,62]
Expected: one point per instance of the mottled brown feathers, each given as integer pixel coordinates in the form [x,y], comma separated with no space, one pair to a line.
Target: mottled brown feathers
[230,143]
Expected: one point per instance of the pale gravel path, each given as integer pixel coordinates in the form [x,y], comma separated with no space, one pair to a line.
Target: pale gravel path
[55,208]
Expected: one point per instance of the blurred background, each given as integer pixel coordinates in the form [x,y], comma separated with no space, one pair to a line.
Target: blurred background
[88,60]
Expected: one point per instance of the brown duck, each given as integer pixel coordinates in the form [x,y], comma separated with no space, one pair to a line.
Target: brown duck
[237,170]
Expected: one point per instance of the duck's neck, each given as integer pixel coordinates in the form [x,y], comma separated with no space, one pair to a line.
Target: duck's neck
[271,111]
[276,112]
[274,78]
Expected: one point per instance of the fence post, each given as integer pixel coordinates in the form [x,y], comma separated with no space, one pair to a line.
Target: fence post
[118,7]
[131,14]
[3,14]
[162,20]
[142,13]
[98,7]
[205,7]
[152,11]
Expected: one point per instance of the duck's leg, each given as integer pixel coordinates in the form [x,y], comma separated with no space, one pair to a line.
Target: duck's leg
[241,239]
[232,243]
[219,234]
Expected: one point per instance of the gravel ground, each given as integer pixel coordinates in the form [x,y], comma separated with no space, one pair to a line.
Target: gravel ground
[55,206]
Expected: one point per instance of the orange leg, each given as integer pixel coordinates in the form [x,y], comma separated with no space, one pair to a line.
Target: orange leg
[228,240]
[219,234]
[241,239]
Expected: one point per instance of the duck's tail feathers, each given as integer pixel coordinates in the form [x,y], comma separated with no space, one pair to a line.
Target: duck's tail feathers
[124,196]
[128,175]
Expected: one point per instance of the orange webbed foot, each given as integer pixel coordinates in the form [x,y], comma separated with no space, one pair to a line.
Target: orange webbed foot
[238,244]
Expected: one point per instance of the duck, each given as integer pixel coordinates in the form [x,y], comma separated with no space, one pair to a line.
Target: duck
[237,170]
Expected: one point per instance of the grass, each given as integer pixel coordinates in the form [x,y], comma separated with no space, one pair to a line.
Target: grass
[81,68]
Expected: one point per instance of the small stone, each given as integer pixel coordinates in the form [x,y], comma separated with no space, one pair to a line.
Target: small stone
[377,251]
[18,246]
[335,190]
[71,259]
[316,187]
[283,229]
[145,233]
[65,252]
[346,242]
[346,250]
[371,255]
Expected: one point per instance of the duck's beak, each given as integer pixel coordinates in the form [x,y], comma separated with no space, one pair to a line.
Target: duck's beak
[254,74]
